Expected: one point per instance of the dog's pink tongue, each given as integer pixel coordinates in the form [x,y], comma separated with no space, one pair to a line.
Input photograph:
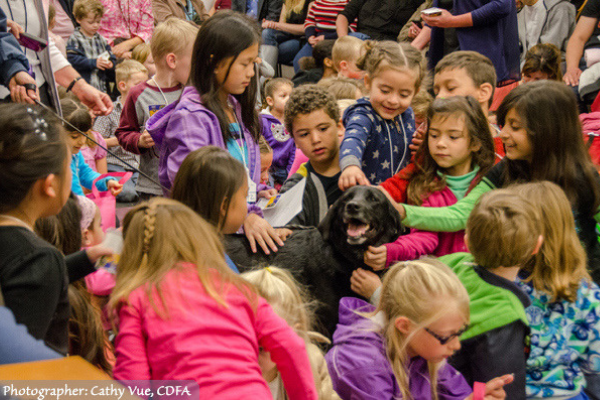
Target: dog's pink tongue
[355,230]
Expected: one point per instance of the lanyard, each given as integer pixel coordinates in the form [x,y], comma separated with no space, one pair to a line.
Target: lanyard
[240,146]
[161,92]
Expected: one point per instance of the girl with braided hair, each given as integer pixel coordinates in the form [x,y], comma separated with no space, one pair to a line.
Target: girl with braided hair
[183,314]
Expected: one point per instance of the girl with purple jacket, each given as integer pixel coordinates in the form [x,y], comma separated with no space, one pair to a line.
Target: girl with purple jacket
[399,349]
[219,109]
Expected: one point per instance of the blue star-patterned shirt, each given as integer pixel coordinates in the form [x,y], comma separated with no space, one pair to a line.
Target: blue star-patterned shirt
[376,145]
[565,342]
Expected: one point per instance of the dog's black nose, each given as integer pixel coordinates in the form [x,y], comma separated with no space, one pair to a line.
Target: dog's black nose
[352,207]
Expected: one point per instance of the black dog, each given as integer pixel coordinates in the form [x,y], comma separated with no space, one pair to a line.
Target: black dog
[324,259]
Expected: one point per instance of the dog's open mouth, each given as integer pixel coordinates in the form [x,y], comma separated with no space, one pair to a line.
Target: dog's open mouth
[356,230]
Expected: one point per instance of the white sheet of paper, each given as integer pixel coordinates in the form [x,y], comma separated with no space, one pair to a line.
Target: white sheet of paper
[285,207]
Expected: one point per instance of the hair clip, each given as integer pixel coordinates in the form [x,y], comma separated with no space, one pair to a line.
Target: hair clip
[269,269]
[39,124]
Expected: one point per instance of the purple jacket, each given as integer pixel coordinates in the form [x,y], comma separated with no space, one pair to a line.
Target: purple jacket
[282,143]
[186,125]
[359,367]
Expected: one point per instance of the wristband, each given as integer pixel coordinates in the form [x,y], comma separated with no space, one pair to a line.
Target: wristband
[73,82]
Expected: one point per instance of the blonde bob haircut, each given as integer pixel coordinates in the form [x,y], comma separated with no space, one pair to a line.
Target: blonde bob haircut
[561,264]
[422,291]
[503,229]
[171,36]
[157,236]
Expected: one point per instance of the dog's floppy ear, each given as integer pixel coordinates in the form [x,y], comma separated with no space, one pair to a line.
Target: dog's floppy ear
[394,219]
[327,224]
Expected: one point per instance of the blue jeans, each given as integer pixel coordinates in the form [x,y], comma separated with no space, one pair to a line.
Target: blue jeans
[306,50]
[287,44]
[128,195]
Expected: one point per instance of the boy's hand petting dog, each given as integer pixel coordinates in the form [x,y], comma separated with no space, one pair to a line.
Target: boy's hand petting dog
[364,282]
[376,257]
[260,231]
[267,194]
[114,187]
[352,176]
[494,389]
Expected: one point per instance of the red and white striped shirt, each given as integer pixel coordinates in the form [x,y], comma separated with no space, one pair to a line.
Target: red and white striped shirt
[322,15]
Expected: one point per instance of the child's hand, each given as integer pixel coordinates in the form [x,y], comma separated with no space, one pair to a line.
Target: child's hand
[352,176]
[267,194]
[260,231]
[494,389]
[364,283]
[417,138]
[103,64]
[376,257]
[284,233]
[114,187]
[94,253]
[145,141]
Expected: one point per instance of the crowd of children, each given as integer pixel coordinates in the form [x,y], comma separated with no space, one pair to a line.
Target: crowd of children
[490,292]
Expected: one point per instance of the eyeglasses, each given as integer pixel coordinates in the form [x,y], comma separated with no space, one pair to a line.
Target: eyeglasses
[443,340]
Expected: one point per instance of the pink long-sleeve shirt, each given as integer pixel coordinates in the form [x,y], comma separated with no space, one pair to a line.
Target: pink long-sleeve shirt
[203,341]
[419,243]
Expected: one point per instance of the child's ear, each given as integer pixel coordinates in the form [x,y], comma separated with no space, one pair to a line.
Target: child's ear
[121,85]
[343,65]
[47,185]
[467,243]
[538,246]
[328,62]
[171,60]
[475,145]
[86,240]
[224,207]
[486,91]
[367,83]
[270,101]
[403,324]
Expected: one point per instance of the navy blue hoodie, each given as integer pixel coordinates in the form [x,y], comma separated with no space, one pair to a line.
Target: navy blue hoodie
[378,146]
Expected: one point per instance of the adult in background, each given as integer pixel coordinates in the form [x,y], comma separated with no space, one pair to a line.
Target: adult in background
[485,26]
[126,23]
[187,10]
[260,10]
[49,66]
[282,39]
[377,19]
[64,20]
[14,66]
[585,38]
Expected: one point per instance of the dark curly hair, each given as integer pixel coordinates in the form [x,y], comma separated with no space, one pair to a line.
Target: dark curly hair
[306,99]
